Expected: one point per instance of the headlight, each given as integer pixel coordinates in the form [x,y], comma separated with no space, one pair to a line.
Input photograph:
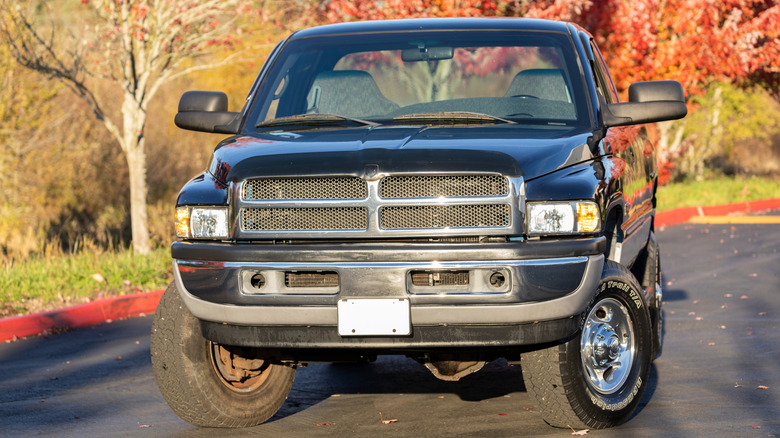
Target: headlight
[202,222]
[562,217]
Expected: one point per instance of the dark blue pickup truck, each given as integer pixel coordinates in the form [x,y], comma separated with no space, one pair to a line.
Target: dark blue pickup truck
[453,190]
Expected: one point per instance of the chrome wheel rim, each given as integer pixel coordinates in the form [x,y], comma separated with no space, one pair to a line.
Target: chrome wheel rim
[607,346]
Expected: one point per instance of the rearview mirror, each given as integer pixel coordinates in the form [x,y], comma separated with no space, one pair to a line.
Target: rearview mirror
[652,101]
[206,111]
[426,54]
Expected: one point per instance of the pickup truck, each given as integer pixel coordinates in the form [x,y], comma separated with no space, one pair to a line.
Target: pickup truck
[453,190]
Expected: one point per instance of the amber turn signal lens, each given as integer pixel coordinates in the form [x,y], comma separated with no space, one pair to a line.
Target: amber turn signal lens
[183,222]
[587,217]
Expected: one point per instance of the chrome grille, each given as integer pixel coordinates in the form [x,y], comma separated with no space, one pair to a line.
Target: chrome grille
[323,218]
[445,216]
[305,188]
[392,206]
[448,186]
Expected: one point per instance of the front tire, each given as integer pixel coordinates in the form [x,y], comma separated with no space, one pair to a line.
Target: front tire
[208,384]
[597,378]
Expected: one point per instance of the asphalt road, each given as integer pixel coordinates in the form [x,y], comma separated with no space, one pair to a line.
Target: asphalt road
[719,374]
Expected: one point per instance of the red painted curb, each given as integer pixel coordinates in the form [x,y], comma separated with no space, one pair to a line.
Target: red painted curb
[684,214]
[82,315]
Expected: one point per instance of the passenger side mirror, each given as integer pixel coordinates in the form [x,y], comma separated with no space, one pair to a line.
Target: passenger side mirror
[206,111]
[652,101]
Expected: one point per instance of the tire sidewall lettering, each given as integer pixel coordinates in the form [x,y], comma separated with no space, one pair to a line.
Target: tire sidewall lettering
[633,295]
[602,404]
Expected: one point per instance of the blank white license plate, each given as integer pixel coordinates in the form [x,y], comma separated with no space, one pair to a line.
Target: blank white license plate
[374,317]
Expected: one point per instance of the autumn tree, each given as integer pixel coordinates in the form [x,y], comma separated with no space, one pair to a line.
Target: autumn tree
[128,47]
[698,43]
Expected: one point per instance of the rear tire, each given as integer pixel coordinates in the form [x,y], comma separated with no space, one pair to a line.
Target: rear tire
[597,378]
[208,384]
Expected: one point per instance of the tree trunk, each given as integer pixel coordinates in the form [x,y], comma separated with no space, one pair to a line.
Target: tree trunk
[133,147]
[136,164]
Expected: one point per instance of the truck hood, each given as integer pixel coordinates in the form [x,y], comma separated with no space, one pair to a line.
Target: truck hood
[504,149]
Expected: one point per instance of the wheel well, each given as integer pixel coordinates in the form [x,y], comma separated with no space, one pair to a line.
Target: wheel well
[613,232]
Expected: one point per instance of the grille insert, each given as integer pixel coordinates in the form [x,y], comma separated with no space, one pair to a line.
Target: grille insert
[304,188]
[440,278]
[448,186]
[445,216]
[311,279]
[323,218]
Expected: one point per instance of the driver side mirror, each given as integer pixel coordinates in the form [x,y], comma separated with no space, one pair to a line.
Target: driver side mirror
[206,111]
[651,101]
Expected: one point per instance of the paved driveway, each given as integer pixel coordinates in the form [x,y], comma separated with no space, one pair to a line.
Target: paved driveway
[719,374]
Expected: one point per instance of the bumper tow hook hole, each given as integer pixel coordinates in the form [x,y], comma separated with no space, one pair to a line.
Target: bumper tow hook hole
[497,279]
[257,281]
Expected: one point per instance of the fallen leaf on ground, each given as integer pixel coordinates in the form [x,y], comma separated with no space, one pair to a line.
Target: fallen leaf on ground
[724,307]
[751,333]
[696,301]
[755,427]
[503,415]
[326,424]
[699,318]
[691,313]
[737,385]
[754,275]
[762,314]
[383,421]
[744,297]
[762,387]
[711,344]
[727,295]
[579,432]
[144,425]
[723,327]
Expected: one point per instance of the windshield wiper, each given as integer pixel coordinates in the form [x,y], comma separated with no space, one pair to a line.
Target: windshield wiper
[452,118]
[313,120]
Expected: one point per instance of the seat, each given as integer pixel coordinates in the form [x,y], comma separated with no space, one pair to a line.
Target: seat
[350,93]
[540,83]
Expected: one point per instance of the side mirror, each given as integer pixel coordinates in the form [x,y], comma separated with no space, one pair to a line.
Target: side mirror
[652,101]
[206,111]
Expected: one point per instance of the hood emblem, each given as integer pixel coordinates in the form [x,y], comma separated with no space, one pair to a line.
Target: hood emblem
[371,170]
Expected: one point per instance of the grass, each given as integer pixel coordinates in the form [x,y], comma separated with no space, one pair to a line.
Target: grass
[716,191]
[44,283]
[48,282]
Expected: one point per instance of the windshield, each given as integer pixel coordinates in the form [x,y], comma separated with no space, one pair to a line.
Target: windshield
[423,78]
